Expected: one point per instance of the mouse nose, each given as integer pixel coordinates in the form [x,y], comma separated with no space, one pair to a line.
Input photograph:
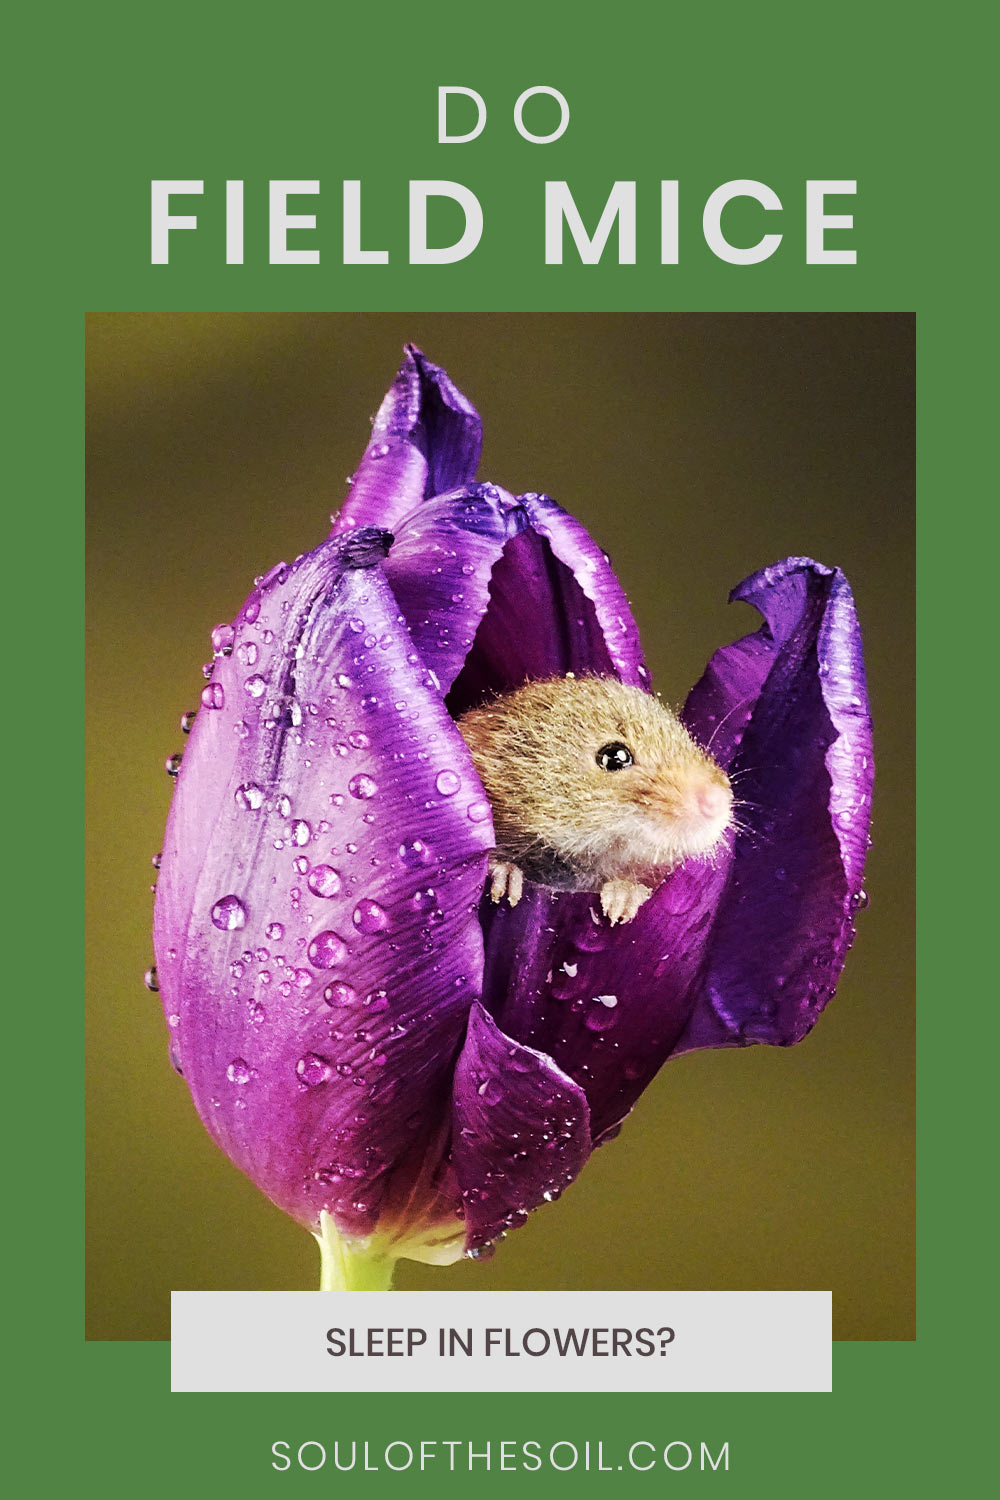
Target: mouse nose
[713,799]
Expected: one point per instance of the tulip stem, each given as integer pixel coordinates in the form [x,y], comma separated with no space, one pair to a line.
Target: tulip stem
[344,1269]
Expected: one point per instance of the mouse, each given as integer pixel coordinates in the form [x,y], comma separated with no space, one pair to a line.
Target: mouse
[594,786]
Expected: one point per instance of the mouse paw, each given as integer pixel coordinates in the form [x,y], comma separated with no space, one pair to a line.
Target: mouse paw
[621,899]
[505,880]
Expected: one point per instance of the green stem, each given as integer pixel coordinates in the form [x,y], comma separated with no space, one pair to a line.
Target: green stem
[343,1269]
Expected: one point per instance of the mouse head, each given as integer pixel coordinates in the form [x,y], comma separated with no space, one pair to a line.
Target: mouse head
[603,774]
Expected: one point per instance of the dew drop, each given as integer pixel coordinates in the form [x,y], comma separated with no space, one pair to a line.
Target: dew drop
[603,1014]
[478,812]
[229,914]
[313,1070]
[247,653]
[368,916]
[213,696]
[326,949]
[222,640]
[860,900]
[362,787]
[448,783]
[157,860]
[301,832]
[255,686]
[249,796]
[414,853]
[150,980]
[324,881]
[172,764]
[251,609]
[340,994]
[239,1071]
[187,720]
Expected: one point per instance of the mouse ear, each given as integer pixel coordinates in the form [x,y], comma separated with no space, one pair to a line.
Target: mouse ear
[426,438]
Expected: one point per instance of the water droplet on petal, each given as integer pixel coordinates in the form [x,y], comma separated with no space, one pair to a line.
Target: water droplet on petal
[368,916]
[324,881]
[187,720]
[301,832]
[229,914]
[255,686]
[448,783]
[246,653]
[481,1252]
[222,639]
[414,853]
[313,1070]
[274,931]
[362,787]
[478,812]
[239,1071]
[150,980]
[249,796]
[602,1014]
[326,949]
[213,696]
[860,900]
[340,994]
[172,764]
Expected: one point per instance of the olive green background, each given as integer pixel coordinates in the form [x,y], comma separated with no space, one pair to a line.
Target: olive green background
[696,448]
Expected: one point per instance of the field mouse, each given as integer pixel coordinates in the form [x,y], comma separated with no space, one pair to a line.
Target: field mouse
[594,786]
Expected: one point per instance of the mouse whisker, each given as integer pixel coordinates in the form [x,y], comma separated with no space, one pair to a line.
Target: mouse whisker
[735,709]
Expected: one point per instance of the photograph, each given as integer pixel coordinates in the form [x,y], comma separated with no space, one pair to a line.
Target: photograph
[500,831]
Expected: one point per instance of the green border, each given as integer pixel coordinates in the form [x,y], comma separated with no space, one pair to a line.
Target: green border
[111,99]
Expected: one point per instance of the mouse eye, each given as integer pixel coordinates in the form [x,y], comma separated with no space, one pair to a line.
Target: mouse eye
[614,757]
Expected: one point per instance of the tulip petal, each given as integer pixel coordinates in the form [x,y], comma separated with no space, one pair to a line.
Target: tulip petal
[608,1004]
[521,1130]
[439,567]
[555,606]
[316,937]
[426,438]
[803,764]
[746,947]
[576,549]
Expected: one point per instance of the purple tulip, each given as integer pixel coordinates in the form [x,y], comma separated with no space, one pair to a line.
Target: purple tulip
[405,1068]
